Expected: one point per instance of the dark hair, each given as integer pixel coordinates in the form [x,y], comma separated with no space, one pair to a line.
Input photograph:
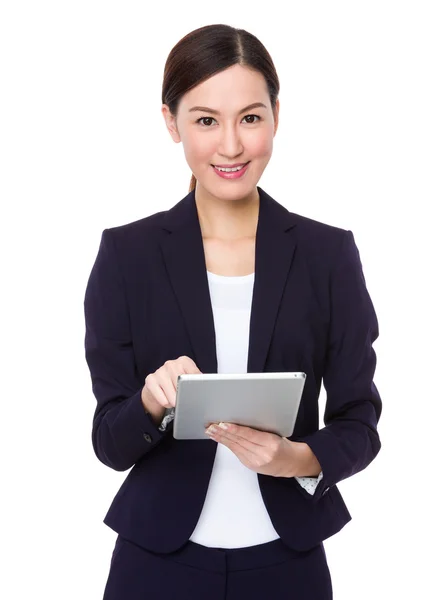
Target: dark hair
[207,51]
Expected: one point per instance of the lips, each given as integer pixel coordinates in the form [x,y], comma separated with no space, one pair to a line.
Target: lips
[232,174]
[231,166]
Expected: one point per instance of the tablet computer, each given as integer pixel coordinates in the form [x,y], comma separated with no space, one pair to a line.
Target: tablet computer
[265,401]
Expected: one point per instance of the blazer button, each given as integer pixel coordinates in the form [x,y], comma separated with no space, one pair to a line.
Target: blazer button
[147,437]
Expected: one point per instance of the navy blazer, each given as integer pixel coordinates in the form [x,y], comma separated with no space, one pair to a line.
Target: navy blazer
[147,301]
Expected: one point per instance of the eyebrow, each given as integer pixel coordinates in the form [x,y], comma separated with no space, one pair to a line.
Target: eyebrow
[215,112]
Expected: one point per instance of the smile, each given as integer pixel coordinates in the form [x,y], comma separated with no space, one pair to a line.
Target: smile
[234,173]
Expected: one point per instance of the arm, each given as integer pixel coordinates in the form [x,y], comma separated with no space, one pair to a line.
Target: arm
[123,431]
[303,464]
[307,464]
[349,441]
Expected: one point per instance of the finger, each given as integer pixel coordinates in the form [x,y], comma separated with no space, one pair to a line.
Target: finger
[188,364]
[168,388]
[228,438]
[156,390]
[255,436]
[174,370]
[246,456]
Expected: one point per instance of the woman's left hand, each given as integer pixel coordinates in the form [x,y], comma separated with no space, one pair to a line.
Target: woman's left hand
[260,451]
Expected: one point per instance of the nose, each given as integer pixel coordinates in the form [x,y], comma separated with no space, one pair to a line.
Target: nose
[230,143]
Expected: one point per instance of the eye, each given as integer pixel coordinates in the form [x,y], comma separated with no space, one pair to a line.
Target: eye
[212,119]
[255,116]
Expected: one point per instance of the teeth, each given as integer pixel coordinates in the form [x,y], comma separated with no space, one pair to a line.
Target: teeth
[227,170]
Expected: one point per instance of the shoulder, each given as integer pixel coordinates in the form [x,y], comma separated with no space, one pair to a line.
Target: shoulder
[316,238]
[136,235]
[139,227]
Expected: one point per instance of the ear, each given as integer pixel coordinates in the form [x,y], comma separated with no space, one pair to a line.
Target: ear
[171,123]
[276,116]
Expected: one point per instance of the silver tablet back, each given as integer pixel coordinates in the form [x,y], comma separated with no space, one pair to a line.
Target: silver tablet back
[265,401]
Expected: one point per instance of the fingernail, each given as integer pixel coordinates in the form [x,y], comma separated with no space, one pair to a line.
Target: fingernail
[223,425]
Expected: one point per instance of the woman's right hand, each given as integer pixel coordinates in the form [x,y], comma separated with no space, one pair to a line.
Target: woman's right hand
[160,388]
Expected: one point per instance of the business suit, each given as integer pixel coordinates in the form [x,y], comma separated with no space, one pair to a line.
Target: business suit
[147,301]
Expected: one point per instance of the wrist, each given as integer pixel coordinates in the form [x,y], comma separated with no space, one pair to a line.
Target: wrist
[306,463]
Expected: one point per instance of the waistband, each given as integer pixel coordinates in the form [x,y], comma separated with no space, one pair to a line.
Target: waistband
[221,560]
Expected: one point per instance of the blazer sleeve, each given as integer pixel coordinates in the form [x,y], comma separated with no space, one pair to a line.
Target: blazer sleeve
[349,441]
[122,431]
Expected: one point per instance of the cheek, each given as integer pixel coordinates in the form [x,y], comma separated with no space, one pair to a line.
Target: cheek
[260,146]
[198,148]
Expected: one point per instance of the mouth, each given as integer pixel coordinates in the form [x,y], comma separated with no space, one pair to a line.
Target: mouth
[235,165]
[234,173]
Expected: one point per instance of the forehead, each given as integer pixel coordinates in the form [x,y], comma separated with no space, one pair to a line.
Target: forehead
[227,91]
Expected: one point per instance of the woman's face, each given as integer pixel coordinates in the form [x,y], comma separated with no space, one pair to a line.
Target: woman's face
[228,133]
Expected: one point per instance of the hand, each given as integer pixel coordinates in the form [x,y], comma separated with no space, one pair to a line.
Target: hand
[260,451]
[160,388]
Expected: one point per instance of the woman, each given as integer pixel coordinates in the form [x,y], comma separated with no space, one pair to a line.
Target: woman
[227,280]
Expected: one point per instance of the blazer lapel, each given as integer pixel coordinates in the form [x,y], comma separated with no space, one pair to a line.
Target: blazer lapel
[184,257]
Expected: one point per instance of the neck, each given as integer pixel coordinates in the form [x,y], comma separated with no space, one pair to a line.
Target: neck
[227,219]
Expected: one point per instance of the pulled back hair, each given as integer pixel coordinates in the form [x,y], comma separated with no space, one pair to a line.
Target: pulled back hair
[207,51]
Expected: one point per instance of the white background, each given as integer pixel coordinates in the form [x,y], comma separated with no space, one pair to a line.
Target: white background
[360,145]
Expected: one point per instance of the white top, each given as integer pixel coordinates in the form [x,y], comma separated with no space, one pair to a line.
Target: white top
[234,514]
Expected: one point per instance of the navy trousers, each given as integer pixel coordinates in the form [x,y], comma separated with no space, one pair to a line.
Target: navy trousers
[264,572]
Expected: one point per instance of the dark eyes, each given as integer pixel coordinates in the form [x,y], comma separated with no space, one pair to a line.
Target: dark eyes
[212,119]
